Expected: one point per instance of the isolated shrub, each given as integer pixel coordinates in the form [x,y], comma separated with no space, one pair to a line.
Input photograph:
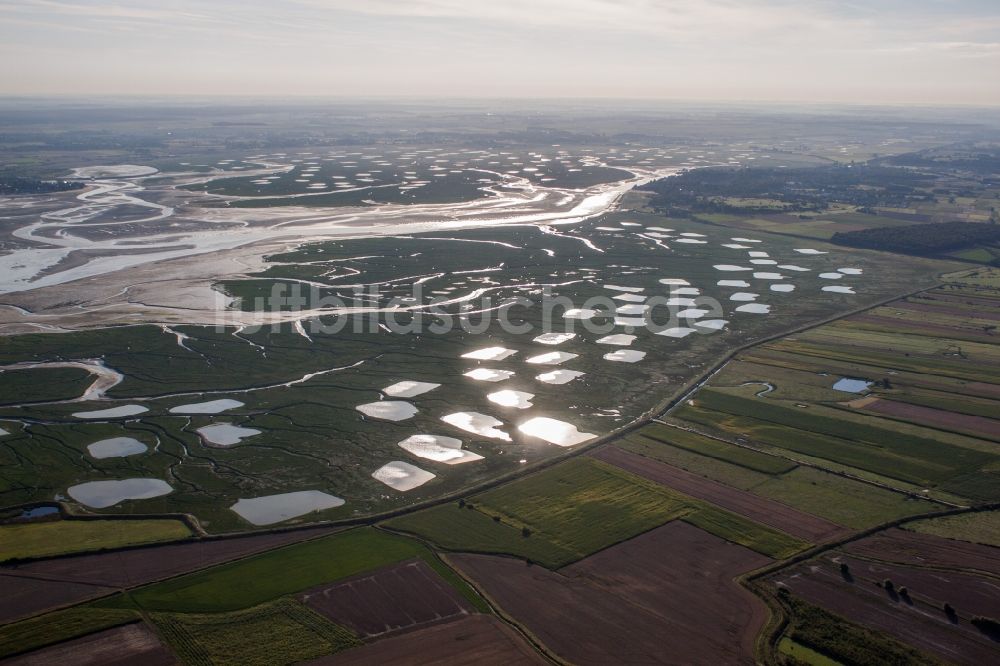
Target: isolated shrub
[888,585]
[845,568]
[461,503]
[496,519]
[525,532]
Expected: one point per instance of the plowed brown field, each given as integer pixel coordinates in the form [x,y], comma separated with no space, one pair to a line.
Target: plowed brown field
[665,597]
[400,596]
[473,640]
[765,511]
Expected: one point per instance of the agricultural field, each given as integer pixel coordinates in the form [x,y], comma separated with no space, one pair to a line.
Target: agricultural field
[981,527]
[833,497]
[575,509]
[819,637]
[35,633]
[554,517]
[129,643]
[865,421]
[634,601]
[281,632]
[277,573]
[472,640]
[779,517]
[399,597]
[60,537]
[906,602]
[41,585]
[907,398]
[906,546]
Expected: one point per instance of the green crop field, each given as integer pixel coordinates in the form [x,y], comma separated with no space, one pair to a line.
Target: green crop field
[843,501]
[737,529]
[572,510]
[713,468]
[979,527]
[890,453]
[713,448]
[469,529]
[73,536]
[947,401]
[575,509]
[838,499]
[262,578]
[59,626]
[803,655]
[279,633]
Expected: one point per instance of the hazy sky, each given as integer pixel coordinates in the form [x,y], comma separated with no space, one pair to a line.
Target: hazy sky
[868,51]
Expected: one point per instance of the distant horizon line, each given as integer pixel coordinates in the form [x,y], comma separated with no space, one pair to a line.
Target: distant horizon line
[442,100]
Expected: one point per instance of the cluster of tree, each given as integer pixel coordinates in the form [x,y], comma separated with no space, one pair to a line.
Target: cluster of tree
[981,160]
[20,185]
[712,190]
[921,239]
[80,140]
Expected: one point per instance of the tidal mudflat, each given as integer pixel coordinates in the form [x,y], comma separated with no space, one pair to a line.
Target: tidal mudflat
[509,398]
[308,400]
[490,354]
[551,358]
[554,431]
[113,412]
[554,338]
[478,424]
[559,376]
[226,434]
[272,509]
[488,375]
[409,389]
[620,339]
[209,407]
[102,494]
[402,476]
[625,356]
[439,448]
[388,410]
[116,447]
